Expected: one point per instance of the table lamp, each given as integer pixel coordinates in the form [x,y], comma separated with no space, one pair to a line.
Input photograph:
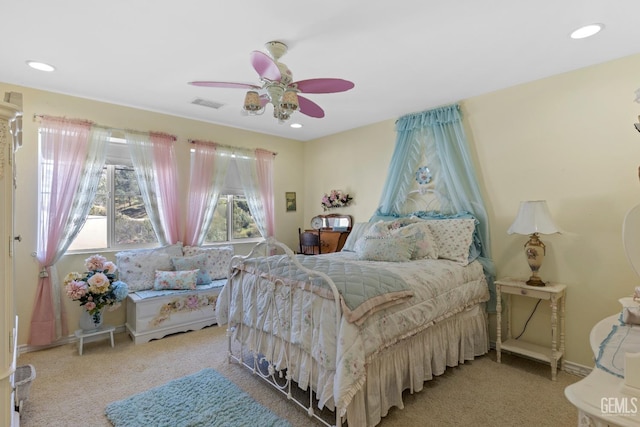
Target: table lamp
[534,218]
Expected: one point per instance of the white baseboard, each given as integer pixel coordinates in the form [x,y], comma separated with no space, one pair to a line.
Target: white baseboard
[577,369]
[25,348]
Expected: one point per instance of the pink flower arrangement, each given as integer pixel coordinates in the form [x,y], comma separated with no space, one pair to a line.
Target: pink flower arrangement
[97,287]
[335,199]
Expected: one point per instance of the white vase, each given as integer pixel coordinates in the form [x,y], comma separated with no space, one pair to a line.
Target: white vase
[91,322]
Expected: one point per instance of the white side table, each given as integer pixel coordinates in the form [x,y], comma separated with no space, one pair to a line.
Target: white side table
[94,335]
[555,294]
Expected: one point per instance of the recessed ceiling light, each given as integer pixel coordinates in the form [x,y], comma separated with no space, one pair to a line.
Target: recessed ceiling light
[296,125]
[40,66]
[587,31]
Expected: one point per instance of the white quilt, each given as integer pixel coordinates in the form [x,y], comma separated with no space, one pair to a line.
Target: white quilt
[440,288]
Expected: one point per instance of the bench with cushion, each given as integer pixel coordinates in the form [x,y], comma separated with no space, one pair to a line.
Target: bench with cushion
[172,289]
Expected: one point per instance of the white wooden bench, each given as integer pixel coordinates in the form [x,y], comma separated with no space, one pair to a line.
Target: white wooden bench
[156,314]
[152,313]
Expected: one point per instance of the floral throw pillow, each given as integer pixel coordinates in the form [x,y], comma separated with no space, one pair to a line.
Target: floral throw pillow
[185,279]
[425,246]
[196,262]
[137,269]
[392,249]
[453,237]
[218,259]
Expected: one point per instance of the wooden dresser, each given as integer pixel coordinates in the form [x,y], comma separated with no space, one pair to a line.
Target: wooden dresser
[331,241]
[334,231]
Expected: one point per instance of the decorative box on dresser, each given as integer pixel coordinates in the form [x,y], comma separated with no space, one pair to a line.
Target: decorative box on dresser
[554,293]
[10,115]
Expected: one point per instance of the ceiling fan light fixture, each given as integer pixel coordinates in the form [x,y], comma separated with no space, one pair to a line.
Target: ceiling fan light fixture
[278,88]
[252,103]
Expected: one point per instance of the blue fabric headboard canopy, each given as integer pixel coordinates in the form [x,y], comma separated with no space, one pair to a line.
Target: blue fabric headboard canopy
[439,136]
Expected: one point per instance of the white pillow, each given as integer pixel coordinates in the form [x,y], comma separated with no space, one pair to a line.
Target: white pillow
[453,238]
[358,230]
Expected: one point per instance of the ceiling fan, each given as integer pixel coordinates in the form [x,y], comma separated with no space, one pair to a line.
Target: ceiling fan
[278,87]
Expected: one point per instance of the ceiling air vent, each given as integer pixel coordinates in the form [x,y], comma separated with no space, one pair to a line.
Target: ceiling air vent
[207,103]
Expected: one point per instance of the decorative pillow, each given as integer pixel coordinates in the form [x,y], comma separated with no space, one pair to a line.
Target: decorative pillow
[358,230]
[425,246]
[196,262]
[185,279]
[453,238]
[137,268]
[393,249]
[218,259]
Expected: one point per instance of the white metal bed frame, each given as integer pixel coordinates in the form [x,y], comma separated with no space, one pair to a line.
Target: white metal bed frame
[280,380]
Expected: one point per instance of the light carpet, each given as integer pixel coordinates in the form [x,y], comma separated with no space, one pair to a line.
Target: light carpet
[72,390]
[205,398]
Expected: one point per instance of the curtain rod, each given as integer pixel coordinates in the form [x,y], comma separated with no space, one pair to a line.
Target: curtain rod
[193,141]
[39,116]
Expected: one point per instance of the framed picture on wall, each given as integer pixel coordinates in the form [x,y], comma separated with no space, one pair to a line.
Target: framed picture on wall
[290,197]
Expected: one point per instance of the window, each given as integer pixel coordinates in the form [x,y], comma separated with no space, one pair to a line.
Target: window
[118,218]
[241,227]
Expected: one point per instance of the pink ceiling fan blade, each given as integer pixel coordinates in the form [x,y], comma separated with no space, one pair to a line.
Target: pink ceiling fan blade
[310,108]
[225,85]
[265,66]
[323,85]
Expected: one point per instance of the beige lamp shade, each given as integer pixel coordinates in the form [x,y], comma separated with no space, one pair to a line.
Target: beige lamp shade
[252,101]
[289,100]
[533,217]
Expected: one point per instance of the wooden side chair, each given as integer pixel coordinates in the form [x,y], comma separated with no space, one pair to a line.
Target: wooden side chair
[309,242]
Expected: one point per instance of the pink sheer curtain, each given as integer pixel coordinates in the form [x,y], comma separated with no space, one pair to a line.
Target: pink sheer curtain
[167,175]
[63,149]
[264,169]
[203,193]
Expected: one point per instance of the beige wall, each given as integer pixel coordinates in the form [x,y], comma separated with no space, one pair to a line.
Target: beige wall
[568,139]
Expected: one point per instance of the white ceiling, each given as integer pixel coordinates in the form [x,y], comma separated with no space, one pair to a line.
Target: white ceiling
[403,56]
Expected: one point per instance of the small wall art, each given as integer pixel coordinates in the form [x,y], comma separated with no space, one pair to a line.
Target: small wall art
[290,197]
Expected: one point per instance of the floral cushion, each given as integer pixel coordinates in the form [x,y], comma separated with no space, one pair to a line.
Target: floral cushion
[185,279]
[218,259]
[393,249]
[453,238]
[425,246]
[137,268]
[196,262]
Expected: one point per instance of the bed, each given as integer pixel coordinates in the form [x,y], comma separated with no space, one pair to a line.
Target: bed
[399,304]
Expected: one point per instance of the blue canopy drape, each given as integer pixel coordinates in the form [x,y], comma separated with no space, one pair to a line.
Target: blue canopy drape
[438,134]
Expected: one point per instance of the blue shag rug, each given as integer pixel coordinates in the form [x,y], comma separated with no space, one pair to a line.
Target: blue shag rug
[205,398]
